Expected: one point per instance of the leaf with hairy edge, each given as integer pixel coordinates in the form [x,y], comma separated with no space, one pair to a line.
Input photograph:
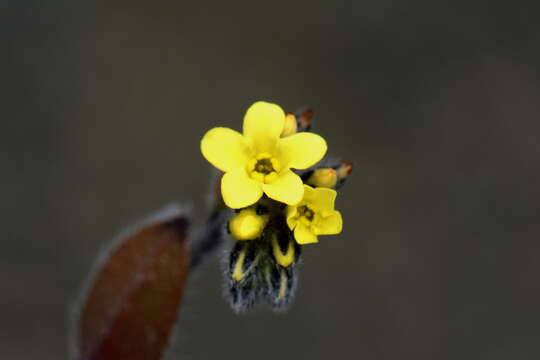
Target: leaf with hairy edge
[131,305]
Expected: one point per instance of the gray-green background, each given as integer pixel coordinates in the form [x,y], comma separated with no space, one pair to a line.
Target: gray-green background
[436,103]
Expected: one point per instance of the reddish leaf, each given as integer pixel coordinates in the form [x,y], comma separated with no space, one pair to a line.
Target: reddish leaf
[132,304]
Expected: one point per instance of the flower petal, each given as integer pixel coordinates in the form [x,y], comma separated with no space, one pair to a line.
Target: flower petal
[292,219]
[323,199]
[329,225]
[263,124]
[238,190]
[225,148]
[287,188]
[301,150]
[309,194]
[303,235]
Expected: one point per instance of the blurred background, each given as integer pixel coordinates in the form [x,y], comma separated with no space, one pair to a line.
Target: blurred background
[436,103]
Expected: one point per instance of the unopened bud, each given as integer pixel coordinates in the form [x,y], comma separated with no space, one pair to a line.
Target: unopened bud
[247,224]
[343,171]
[284,250]
[290,125]
[324,177]
[283,286]
[242,261]
[242,275]
[304,119]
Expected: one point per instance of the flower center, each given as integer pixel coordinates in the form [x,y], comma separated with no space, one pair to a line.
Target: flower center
[263,168]
[306,214]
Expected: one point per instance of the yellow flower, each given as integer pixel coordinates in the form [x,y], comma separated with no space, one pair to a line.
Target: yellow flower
[314,215]
[259,160]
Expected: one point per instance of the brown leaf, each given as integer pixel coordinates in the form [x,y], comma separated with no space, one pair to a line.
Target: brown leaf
[132,304]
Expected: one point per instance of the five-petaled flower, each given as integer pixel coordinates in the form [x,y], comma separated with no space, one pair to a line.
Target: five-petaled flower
[314,215]
[260,160]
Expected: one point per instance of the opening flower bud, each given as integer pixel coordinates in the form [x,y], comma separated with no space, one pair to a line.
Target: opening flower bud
[247,225]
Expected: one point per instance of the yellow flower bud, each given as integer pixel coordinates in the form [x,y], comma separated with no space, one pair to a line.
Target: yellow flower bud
[247,225]
[325,177]
[290,125]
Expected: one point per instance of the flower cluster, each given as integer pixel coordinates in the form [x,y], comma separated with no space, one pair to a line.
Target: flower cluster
[282,193]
